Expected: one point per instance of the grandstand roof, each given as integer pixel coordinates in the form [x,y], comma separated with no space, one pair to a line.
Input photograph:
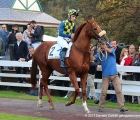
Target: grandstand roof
[23,11]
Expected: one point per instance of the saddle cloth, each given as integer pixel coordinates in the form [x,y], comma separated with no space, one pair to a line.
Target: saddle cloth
[54,52]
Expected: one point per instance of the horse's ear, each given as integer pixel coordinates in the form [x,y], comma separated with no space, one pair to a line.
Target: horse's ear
[88,21]
[92,18]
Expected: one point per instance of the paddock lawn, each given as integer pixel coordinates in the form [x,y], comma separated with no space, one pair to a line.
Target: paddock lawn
[23,96]
[4,116]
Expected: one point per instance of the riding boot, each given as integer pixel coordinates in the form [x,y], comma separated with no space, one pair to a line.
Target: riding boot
[62,60]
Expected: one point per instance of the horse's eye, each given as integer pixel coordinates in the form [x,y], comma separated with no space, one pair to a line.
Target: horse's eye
[95,29]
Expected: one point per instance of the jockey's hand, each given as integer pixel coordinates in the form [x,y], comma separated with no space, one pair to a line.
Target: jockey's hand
[72,35]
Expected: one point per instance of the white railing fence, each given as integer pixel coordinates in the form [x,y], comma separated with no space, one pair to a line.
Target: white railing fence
[128,87]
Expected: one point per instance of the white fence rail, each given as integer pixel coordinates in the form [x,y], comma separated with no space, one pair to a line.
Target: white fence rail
[128,87]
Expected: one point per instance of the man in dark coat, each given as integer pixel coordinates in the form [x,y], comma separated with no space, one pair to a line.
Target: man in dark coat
[118,50]
[20,52]
[36,37]
[11,41]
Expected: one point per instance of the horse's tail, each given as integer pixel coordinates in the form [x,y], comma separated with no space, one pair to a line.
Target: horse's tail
[33,73]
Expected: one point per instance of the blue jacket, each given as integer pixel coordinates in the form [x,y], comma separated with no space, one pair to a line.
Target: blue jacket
[62,28]
[3,36]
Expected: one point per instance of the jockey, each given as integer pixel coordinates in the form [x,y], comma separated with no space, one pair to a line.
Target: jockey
[66,33]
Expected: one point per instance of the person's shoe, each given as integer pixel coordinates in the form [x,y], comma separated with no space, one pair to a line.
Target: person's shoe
[100,109]
[122,110]
[66,96]
[96,101]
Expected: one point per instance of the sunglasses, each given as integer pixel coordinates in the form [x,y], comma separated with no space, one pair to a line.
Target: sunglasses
[3,27]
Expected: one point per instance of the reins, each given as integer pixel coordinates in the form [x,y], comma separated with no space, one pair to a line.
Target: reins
[81,50]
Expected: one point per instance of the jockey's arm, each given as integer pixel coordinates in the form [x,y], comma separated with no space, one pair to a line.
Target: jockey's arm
[61,29]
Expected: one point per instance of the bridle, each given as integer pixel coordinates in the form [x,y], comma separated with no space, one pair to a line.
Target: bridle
[101,41]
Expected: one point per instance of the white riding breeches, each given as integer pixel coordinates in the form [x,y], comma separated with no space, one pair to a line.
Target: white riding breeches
[62,42]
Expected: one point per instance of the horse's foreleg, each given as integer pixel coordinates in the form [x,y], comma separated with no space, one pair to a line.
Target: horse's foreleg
[39,104]
[73,79]
[83,84]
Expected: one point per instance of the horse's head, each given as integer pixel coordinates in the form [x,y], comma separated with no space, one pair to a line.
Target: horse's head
[96,32]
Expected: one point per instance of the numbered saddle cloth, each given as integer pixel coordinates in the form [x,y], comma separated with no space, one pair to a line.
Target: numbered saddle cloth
[54,52]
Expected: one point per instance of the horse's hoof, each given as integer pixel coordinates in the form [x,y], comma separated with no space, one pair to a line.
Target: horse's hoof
[51,107]
[88,111]
[67,104]
[39,105]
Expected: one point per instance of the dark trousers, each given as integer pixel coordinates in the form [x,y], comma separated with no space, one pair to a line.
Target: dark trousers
[20,70]
[136,78]
[11,51]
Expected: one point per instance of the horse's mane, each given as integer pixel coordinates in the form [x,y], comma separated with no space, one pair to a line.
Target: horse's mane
[78,30]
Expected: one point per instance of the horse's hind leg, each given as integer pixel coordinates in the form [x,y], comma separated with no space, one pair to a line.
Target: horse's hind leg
[83,84]
[39,104]
[45,75]
[73,79]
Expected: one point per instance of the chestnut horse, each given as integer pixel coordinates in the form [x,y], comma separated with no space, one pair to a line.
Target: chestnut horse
[77,62]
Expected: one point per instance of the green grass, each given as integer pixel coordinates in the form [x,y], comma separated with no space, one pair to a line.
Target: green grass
[4,116]
[22,96]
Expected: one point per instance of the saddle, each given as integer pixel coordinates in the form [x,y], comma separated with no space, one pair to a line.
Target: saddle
[54,52]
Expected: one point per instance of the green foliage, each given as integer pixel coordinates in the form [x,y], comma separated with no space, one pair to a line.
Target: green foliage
[51,32]
[120,18]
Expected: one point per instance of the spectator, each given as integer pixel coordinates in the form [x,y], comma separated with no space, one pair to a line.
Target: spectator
[4,38]
[98,74]
[91,75]
[4,28]
[11,41]
[126,60]
[132,51]
[136,62]
[20,52]
[31,53]
[118,50]
[2,52]
[37,35]
[109,74]
[26,37]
